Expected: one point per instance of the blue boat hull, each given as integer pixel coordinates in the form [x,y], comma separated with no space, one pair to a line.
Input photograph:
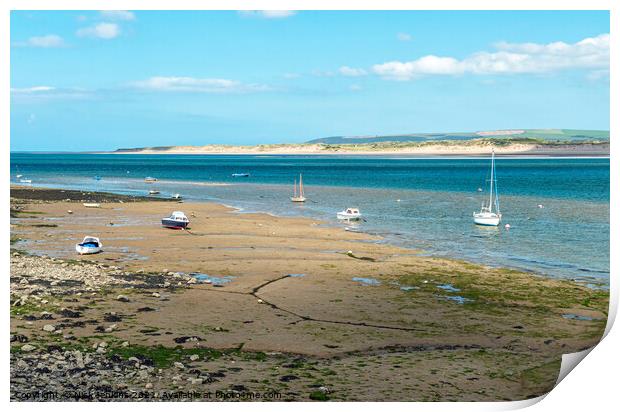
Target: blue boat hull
[174,224]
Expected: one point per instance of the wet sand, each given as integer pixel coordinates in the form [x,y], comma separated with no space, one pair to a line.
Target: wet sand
[422,329]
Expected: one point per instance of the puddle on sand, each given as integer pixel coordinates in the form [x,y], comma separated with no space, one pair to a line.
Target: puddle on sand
[458,299]
[214,280]
[572,316]
[296,275]
[408,288]
[367,281]
[448,288]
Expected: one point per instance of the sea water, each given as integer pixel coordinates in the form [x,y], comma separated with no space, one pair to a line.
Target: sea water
[558,208]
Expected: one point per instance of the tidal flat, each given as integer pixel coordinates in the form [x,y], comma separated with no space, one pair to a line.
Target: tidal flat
[134,319]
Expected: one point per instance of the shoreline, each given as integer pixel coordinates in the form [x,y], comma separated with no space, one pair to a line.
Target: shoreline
[52,194]
[289,296]
[422,150]
[387,155]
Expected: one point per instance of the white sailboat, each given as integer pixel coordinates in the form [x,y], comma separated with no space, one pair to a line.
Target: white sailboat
[298,196]
[489,214]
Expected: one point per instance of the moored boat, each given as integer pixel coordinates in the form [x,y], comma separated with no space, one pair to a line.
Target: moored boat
[92,205]
[25,181]
[489,214]
[240,175]
[298,197]
[177,220]
[177,196]
[150,179]
[89,246]
[350,213]
[153,192]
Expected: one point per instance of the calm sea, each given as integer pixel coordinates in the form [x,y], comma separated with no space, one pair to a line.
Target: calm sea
[423,204]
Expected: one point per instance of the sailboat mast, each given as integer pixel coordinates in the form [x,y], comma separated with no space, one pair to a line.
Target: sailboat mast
[492,177]
[301,186]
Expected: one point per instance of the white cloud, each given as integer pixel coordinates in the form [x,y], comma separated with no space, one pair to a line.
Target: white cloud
[31,90]
[509,58]
[351,71]
[44,93]
[291,75]
[49,40]
[322,73]
[602,74]
[117,15]
[268,14]
[101,30]
[404,37]
[204,85]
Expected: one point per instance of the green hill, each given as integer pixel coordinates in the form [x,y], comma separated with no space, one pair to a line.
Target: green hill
[542,135]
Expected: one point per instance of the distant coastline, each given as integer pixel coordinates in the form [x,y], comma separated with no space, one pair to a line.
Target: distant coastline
[423,149]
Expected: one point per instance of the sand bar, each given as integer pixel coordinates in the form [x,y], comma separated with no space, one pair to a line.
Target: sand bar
[292,292]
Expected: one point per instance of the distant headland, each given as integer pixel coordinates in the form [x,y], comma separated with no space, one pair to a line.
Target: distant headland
[525,142]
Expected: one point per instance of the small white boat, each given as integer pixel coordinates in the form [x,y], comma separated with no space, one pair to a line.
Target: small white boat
[177,220]
[89,246]
[153,192]
[150,179]
[25,181]
[298,197]
[18,176]
[91,204]
[240,175]
[350,213]
[489,214]
[177,196]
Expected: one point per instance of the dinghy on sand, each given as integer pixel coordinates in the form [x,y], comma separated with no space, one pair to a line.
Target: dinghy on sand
[89,246]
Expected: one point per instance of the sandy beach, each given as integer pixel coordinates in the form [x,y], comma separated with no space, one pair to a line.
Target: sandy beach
[295,309]
[428,149]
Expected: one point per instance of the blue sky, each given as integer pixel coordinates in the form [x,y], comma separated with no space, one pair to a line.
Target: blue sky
[103,80]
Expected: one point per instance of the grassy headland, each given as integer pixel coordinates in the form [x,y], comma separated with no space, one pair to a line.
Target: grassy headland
[550,142]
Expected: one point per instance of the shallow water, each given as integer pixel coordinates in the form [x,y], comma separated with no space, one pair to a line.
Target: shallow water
[572,316]
[214,280]
[448,288]
[423,204]
[366,281]
[458,299]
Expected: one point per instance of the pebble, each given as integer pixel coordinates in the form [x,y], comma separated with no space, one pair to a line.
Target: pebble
[49,328]
[194,357]
[122,298]
[28,348]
